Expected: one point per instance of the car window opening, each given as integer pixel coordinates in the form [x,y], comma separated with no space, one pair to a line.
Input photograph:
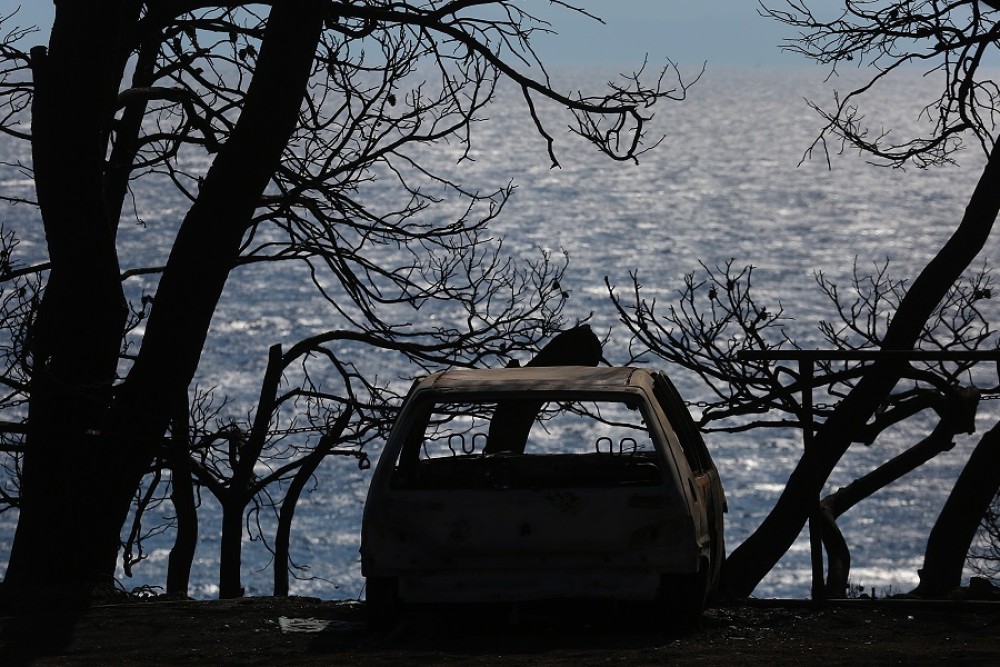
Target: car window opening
[521,443]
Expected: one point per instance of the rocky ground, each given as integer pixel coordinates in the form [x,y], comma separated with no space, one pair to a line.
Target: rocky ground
[304,631]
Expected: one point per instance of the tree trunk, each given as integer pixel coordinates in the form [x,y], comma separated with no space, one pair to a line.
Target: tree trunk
[182,498]
[78,482]
[208,242]
[186,540]
[231,547]
[834,505]
[67,537]
[956,526]
[512,420]
[838,555]
[283,533]
[282,536]
[753,559]
[242,484]
[127,132]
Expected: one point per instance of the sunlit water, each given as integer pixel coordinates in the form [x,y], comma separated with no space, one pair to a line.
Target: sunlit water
[724,184]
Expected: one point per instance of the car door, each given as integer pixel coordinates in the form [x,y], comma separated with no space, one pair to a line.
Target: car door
[706,476]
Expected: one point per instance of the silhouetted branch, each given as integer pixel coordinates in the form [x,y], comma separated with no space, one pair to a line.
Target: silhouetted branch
[952,41]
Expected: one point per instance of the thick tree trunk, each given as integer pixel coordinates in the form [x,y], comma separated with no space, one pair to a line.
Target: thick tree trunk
[208,242]
[186,541]
[79,480]
[66,537]
[753,559]
[956,526]
[838,553]
[512,421]
[127,132]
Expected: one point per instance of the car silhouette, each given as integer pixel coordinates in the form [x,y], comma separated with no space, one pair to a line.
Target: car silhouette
[543,483]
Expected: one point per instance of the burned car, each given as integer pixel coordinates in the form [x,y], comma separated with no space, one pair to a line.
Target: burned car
[543,483]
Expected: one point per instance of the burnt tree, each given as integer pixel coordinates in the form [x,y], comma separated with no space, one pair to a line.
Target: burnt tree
[720,330]
[292,117]
[888,36]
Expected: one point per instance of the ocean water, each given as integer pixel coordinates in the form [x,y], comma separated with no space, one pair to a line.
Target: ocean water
[726,183]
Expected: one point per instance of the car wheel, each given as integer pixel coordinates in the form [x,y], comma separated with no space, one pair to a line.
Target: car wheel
[382,604]
[682,598]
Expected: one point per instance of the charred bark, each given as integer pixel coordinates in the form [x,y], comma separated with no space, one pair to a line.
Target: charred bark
[231,546]
[838,555]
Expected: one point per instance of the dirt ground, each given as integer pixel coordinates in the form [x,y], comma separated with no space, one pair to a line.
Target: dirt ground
[305,631]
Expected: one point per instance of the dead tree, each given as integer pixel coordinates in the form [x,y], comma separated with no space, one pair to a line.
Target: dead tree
[952,41]
[271,121]
[716,322]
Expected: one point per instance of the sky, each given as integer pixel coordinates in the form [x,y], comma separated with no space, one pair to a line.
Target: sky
[689,32]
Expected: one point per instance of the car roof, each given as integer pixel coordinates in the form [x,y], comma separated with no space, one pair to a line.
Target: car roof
[571,378]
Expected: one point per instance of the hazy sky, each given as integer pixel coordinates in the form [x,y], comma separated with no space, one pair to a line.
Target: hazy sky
[722,32]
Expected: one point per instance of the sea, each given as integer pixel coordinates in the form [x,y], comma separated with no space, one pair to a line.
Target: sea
[733,179]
